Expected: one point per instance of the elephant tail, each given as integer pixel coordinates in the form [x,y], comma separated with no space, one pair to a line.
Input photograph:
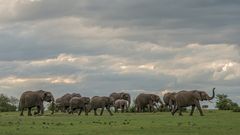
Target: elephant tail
[21,104]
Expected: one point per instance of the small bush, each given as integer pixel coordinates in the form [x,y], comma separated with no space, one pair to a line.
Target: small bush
[132,109]
[236,109]
[7,104]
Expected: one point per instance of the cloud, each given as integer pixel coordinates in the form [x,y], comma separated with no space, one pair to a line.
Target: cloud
[98,47]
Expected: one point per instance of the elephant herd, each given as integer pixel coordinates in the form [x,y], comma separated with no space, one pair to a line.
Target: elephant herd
[76,102]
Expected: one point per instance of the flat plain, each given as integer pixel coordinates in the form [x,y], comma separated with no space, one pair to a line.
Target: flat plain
[160,123]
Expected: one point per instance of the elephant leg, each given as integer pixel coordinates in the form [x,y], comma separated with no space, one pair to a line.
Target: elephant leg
[102,111]
[71,111]
[116,109]
[140,108]
[38,111]
[29,111]
[174,111]
[42,109]
[180,111]
[108,109]
[86,111]
[199,108]
[137,109]
[80,111]
[65,109]
[149,108]
[122,109]
[193,108]
[95,111]
[21,114]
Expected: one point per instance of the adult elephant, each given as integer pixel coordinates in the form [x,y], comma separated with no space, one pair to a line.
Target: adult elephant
[121,104]
[147,100]
[80,103]
[169,99]
[101,102]
[191,98]
[121,95]
[30,99]
[63,103]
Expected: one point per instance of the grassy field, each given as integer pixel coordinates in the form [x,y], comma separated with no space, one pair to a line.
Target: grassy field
[162,123]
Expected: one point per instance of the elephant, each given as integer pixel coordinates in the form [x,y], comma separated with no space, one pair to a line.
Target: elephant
[101,102]
[30,99]
[79,103]
[147,100]
[169,99]
[122,95]
[191,98]
[122,104]
[63,104]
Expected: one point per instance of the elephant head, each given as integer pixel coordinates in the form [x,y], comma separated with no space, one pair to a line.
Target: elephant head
[202,95]
[155,98]
[86,100]
[127,97]
[48,97]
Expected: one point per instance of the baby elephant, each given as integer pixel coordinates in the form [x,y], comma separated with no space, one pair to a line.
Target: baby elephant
[80,103]
[121,104]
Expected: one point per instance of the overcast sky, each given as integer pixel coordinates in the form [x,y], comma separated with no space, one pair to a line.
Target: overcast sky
[96,47]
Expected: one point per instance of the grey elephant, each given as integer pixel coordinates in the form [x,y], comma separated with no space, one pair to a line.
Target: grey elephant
[191,98]
[121,95]
[121,104]
[30,99]
[101,102]
[80,103]
[63,103]
[169,99]
[147,100]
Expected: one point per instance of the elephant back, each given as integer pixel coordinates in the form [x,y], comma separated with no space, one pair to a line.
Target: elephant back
[65,99]
[97,101]
[76,95]
[142,99]
[75,101]
[115,95]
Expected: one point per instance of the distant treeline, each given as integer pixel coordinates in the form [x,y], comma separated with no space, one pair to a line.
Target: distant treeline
[8,104]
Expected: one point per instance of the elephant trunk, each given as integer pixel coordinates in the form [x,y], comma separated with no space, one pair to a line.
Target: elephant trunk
[160,101]
[129,102]
[213,95]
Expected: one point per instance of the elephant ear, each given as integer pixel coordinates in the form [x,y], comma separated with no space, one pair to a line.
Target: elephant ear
[153,97]
[198,95]
[43,95]
[124,96]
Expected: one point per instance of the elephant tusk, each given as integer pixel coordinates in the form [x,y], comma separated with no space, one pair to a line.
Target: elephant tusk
[210,101]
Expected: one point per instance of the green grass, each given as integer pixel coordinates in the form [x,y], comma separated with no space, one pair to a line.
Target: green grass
[162,123]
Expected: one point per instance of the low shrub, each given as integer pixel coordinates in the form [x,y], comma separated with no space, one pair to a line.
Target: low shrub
[236,109]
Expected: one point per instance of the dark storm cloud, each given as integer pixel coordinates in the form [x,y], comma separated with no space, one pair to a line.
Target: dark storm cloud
[165,20]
